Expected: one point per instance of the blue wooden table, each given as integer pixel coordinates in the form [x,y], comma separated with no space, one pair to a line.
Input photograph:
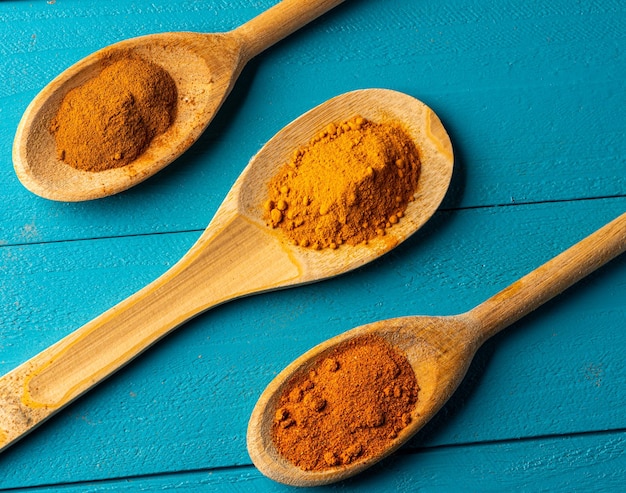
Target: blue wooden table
[533,96]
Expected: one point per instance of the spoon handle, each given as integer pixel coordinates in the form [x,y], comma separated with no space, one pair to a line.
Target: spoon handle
[550,279]
[225,263]
[278,22]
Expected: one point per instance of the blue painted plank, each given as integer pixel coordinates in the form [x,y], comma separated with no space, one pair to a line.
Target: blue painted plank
[529,92]
[594,462]
[184,405]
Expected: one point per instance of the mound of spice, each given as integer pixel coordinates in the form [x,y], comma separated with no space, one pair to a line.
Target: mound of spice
[110,120]
[348,185]
[349,406]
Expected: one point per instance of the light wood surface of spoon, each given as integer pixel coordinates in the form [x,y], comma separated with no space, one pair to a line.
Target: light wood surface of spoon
[440,350]
[204,67]
[237,255]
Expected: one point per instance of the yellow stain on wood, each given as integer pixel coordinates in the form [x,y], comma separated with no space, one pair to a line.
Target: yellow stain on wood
[437,134]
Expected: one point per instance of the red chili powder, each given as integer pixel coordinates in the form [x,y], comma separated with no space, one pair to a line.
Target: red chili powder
[349,406]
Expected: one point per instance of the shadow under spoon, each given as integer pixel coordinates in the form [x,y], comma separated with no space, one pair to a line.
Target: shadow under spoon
[439,349]
[237,255]
[204,68]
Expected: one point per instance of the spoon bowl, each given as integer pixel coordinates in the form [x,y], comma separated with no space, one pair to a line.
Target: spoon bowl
[237,255]
[424,341]
[202,83]
[439,349]
[378,105]
[204,68]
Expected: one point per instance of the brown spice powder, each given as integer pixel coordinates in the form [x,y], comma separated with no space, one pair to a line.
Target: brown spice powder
[110,120]
[349,406]
[350,184]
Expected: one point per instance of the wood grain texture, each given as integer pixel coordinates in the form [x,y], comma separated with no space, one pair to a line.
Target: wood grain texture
[440,350]
[516,465]
[197,388]
[531,94]
[203,67]
[551,73]
[237,255]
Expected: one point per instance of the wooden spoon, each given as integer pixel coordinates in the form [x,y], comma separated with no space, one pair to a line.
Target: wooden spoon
[439,349]
[204,66]
[237,255]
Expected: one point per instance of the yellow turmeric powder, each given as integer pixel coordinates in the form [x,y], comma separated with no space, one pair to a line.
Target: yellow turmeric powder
[349,184]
